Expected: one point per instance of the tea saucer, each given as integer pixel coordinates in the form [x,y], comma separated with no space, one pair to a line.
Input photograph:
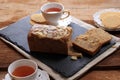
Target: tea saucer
[65,22]
[42,75]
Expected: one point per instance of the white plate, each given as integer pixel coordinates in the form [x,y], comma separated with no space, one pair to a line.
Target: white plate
[42,75]
[96,18]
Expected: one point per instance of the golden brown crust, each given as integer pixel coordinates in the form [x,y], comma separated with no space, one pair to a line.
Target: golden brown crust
[87,44]
[91,41]
[46,44]
[101,35]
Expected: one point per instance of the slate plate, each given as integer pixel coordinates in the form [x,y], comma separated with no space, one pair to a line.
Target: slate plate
[17,34]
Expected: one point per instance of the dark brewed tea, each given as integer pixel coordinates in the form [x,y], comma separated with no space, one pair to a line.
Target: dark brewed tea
[53,10]
[23,71]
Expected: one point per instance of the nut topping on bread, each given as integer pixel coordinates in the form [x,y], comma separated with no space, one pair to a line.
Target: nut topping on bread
[49,31]
[99,34]
[84,37]
[91,41]
[50,39]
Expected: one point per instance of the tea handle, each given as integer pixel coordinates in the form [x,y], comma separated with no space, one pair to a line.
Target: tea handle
[64,12]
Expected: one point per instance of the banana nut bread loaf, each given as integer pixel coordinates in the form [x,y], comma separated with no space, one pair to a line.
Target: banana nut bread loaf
[49,39]
[91,41]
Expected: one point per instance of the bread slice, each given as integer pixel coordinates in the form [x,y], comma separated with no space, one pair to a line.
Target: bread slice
[87,44]
[91,41]
[103,36]
[49,39]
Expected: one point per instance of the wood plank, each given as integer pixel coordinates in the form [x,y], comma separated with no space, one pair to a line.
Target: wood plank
[102,75]
[7,55]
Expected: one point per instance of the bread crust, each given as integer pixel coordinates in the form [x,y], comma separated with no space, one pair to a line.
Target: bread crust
[91,41]
[46,44]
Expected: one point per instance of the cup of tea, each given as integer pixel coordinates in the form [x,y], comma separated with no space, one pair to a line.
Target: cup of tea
[53,12]
[23,69]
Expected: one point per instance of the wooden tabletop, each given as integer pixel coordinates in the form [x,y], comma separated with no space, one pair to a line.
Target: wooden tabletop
[13,10]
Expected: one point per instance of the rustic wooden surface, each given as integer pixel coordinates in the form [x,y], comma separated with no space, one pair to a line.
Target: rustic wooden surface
[13,10]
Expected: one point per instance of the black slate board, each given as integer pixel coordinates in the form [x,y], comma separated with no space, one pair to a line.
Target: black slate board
[17,34]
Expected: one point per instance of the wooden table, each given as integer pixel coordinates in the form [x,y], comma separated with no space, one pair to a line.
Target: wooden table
[12,10]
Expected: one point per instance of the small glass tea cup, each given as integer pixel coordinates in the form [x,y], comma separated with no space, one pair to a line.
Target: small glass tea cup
[21,64]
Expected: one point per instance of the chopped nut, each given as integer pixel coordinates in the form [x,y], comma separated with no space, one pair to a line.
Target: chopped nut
[74,57]
[91,41]
[114,46]
[49,31]
[84,37]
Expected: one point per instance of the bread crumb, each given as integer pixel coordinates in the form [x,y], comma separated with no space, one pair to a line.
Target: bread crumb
[84,37]
[114,46]
[74,57]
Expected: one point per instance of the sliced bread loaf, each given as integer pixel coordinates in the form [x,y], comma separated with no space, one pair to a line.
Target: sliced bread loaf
[49,39]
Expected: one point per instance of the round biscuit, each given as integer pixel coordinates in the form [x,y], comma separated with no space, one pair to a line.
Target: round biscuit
[33,22]
[38,18]
[111,21]
[109,14]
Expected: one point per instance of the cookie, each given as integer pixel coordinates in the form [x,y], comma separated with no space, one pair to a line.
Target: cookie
[108,14]
[32,22]
[38,18]
[111,20]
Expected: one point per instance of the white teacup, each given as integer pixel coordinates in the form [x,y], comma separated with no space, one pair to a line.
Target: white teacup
[18,66]
[53,12]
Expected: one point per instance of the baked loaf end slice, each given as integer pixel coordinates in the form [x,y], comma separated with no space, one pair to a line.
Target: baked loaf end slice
[91,41]
[49,39]
[103,36]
